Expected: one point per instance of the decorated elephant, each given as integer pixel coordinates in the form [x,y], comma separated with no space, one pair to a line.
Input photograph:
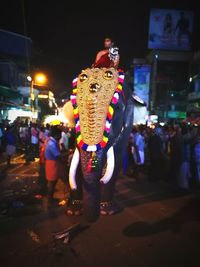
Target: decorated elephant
[103,114]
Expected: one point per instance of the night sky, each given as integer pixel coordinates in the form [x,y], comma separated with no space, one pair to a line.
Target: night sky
[66,38]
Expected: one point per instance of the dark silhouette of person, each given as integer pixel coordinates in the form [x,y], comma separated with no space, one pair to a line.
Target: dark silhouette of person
[168,27]
[183,26]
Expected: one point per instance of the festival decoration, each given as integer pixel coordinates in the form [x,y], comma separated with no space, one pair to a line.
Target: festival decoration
[91,103]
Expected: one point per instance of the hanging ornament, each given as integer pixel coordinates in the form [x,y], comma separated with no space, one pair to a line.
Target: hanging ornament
[93,163]
[119,90]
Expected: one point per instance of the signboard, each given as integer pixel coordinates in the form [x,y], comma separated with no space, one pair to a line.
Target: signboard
[170,29]
[193,96]
[176,114]
[142,82]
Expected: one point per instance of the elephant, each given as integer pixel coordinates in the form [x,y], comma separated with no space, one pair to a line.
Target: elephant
[103,115]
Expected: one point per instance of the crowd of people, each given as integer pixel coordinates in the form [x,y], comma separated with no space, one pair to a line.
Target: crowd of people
[169,153]
[52,145]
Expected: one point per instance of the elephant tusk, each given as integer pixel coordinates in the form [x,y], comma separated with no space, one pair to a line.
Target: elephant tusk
[73,168]
[110,166]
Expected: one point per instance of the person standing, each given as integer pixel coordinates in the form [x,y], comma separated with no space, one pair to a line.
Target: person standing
[185,173]
[10,144]
[137,150]
[42,136]
[35,140]
[176,154]
[43,139]
[183,28]
[64,140]
[196,157]
[155,146]
[52,161]
[1,139]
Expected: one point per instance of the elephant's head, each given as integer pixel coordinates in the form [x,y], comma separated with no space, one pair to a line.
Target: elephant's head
[96,93]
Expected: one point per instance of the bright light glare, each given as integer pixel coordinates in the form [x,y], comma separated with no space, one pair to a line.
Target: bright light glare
[29,78]
[56,119]
[40,78]
[14,113]
[190,80]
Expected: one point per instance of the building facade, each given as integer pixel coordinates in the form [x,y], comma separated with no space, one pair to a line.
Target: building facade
[169,83]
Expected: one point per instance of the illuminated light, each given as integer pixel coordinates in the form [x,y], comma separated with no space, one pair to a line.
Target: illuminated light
[13,114]
[190,79]
[63,100]
[40,78]
[51,95]
[50,104]
[29,78]
[156,56]
[43,96]
[172,94]
[138,99]
[62,203]
[32,96]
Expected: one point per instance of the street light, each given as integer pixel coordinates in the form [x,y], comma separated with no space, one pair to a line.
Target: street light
[39,79]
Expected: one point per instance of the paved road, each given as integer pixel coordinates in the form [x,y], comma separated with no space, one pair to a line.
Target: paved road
[157,227]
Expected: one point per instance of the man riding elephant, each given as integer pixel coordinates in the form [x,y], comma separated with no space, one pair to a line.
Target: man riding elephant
[103,115]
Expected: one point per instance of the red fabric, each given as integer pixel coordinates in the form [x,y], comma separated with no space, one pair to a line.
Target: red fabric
[103,62]
[42,151]
[52,169]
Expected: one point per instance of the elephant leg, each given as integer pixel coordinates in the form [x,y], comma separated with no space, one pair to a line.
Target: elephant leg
[75,207]
[108,207]
[107,192]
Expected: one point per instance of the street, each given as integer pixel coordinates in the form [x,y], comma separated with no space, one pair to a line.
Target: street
[157,227]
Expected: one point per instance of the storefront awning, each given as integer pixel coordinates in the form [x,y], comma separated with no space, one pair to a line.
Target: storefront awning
[8,93]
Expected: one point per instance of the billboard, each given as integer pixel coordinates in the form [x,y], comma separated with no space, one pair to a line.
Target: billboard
[142,82]
[170,29]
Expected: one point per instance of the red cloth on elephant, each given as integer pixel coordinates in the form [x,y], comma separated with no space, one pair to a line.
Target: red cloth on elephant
[103,62]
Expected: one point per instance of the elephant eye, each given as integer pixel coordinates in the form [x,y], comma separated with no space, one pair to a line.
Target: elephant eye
[83,77]
[108,75]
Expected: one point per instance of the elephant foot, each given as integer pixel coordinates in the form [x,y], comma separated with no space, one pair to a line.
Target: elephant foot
[75,208]
[109,208]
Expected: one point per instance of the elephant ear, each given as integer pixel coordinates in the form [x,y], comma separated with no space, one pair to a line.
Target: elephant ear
[68,112]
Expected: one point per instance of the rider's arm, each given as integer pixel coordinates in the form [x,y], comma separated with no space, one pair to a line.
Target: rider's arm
[116,62]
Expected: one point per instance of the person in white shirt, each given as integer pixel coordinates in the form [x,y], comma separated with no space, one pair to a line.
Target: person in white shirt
[64,140]
[138,146]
